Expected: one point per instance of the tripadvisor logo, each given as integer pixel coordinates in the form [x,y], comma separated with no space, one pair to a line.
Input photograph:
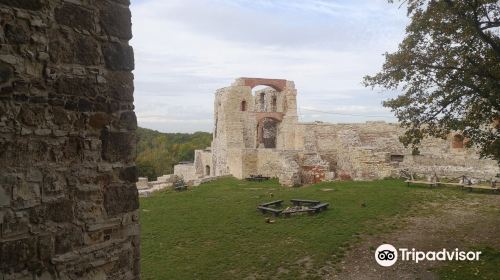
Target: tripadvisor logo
[387,255]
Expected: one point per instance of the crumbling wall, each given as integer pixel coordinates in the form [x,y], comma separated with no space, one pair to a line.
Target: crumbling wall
[263,136]
[366,151]
[186,171]
[203,163]
[68,201]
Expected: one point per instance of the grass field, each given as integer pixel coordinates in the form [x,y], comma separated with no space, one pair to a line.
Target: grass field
[214,231]
[488,267]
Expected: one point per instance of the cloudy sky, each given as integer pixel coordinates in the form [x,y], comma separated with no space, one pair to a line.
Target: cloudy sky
[186,49]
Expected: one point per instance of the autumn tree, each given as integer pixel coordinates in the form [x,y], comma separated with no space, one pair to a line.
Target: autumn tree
[447,69]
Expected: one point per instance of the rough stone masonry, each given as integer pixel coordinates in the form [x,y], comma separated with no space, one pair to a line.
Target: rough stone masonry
[68,201]
[260,133]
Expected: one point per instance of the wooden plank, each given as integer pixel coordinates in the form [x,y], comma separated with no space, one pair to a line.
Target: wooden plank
[421,182]
[480,187]
[264,210]
[451,184]
[277,202]
[304,201]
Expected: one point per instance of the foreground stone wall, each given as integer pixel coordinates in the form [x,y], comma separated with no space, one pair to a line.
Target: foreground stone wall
[68,202]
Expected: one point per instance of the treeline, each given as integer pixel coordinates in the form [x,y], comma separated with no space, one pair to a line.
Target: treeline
[158,152]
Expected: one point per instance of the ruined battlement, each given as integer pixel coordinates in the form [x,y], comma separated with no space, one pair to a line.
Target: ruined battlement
[259,133]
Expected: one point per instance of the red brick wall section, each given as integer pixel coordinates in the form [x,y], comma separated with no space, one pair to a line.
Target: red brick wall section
[277,84]
[313,174]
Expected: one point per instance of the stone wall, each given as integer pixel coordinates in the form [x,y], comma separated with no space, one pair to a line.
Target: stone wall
[68,201]
[186,171]
[372,150]
[265,137]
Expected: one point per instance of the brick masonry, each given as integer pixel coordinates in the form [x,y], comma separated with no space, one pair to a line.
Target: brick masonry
[68,201]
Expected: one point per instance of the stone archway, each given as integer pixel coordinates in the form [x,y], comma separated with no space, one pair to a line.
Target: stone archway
[277,84]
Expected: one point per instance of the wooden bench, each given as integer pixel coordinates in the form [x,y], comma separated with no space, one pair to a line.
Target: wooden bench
[288,213]
[451,184]
[264,210]
[274,203]
[319,207]
[299,202]
[489,188]
[432,184]
[258,178]
[180,188]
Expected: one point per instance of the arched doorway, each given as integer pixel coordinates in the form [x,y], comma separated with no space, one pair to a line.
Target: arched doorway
[207,170]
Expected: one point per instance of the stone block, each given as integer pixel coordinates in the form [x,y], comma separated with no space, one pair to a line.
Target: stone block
[17,255]
[60,212]
[7,182]
[120,199]
[116,20]
[53,186]
[46,248]
[67,239]
[29,116]
[75,16]
[34,175]
[17,34]
[128,120]
[73,86]
[120,85]
[73,48]
[23,4]
[99,120]
[129,174]
[118,56]
[14,224]
[118,146]
[85,105]
[85,50]
[25,194]
[60,116]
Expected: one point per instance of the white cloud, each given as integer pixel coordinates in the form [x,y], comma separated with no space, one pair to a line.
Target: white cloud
[186,49]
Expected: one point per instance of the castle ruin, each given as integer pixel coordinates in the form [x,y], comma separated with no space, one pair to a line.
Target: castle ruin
[261,134]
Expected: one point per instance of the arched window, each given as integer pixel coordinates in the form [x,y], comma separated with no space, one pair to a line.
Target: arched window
[243,106]
[458,141]
[274,105]
[207,170]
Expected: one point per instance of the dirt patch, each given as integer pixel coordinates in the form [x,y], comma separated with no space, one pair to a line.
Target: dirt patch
[458,223]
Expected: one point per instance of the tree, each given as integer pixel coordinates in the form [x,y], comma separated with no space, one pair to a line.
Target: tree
[447,69]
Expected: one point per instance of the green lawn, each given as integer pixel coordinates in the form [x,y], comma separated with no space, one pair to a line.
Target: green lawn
[488,267]
[214,231]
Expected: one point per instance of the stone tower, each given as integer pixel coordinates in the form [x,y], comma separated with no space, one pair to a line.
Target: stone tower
[245,123]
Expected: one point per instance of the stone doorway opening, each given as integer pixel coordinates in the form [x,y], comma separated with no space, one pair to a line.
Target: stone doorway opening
[268,130]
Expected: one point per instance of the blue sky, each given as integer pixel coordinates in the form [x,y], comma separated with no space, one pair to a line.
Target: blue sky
[186,49]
